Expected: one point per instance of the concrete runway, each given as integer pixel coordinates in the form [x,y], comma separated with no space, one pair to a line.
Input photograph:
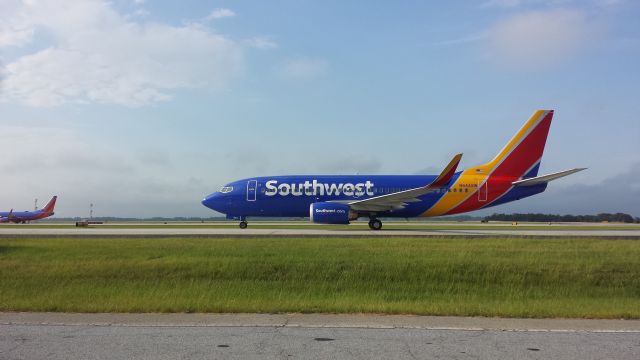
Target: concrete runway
[310,336]
[256,232]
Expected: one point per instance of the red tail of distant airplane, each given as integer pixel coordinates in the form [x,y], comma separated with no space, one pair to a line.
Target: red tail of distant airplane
[24,216]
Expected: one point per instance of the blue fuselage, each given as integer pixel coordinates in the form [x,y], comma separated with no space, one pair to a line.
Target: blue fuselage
[291,196]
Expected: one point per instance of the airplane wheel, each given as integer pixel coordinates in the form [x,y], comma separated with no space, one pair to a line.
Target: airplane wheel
[243,225]
[375,224]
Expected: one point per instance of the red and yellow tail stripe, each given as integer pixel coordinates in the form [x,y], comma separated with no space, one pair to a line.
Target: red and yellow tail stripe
[487,182]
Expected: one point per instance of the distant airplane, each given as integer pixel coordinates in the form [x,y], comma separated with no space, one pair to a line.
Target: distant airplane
[510,176]
[24,216]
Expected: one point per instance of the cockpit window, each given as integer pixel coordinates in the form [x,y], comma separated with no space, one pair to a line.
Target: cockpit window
[226,189]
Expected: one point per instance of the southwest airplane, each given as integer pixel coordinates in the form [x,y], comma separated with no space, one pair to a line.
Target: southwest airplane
[510,176]
[24,216]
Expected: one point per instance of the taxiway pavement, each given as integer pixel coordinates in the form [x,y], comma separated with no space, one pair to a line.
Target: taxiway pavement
[257,232]
[310,336]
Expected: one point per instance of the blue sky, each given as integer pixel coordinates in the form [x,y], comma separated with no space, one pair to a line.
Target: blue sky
[144,107]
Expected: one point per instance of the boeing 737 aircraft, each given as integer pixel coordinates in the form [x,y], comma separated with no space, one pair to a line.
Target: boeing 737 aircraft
[510,176]
[24,216]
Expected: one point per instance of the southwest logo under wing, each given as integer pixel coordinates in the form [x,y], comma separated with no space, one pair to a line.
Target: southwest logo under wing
[399,200]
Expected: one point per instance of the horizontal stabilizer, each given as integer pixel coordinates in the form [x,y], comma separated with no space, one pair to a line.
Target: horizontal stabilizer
[546,178]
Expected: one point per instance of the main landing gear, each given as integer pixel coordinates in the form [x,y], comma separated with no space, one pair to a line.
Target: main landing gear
[375,224]
[242,218]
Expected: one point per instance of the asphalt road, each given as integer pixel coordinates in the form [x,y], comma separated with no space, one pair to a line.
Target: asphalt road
[231,232]
[263,336]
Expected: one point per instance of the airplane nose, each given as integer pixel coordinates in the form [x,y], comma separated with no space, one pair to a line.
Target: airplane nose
[211,201]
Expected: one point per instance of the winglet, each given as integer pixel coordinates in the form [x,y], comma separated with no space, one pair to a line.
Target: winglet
[448,172]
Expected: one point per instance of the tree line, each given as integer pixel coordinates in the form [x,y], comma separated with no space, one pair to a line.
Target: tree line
[603,217]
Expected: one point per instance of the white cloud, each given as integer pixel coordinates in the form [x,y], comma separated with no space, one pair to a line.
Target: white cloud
[14,27]
[139,13]
[304,69]
[220,13]
[52,151]
[14,37]
[540,38]
[55,160]
[99,55]
[261,42]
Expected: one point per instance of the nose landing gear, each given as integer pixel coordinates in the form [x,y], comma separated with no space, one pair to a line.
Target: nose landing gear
[243,224]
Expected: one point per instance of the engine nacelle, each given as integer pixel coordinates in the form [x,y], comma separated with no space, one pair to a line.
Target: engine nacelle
[331,213]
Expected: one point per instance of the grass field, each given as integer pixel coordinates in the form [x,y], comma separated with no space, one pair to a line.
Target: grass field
[592,278]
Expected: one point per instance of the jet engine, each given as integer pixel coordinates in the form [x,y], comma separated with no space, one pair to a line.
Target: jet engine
[331,213]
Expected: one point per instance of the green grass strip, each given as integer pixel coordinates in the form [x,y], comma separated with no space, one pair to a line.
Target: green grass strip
[593,278]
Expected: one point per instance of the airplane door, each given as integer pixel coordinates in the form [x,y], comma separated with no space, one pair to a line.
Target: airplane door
[483,189]
[252,186]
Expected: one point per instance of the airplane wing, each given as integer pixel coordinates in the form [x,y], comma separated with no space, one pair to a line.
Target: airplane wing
[545,178]
[400,199]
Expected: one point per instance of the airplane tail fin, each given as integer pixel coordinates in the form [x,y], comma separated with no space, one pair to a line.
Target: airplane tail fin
[50,205]
[520,158]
